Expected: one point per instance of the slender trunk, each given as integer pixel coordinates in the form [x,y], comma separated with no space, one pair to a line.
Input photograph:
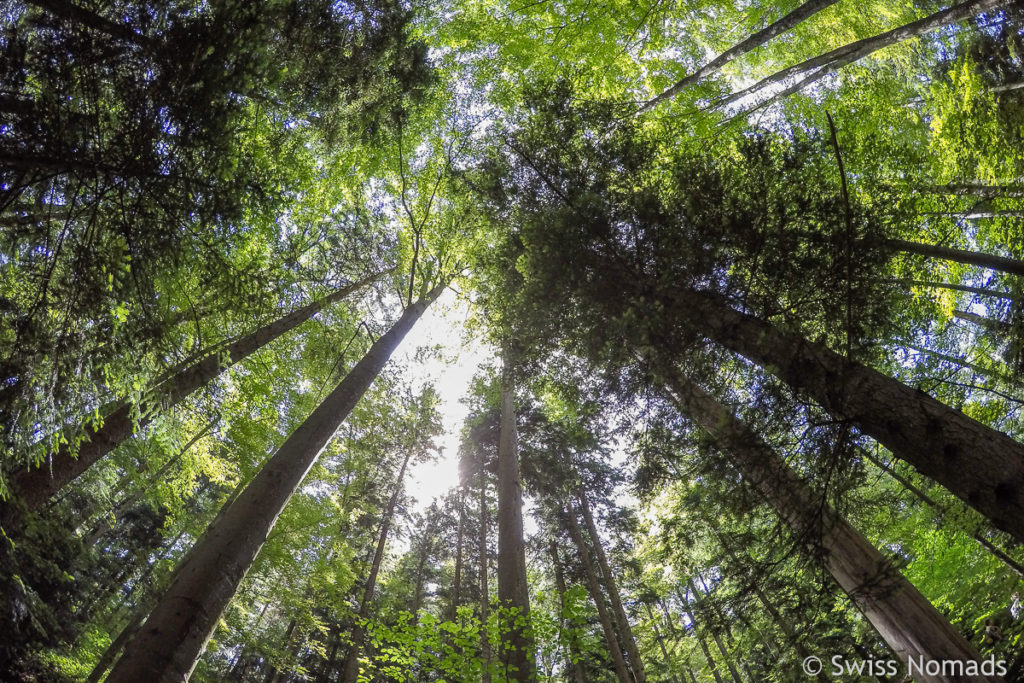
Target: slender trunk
[594,588]
[905,619]
[942,510]
[621,619]
[168,648]
[975,190]
[512,586]
[991,324]
[35,486]
[959,288]
[74,13]
[328,667]
[109,520]
[485,591]
[421,569]
[963,363]
[107,658]
[973,258]
[457,579]
[726,657]
[273,674]
[575,657]
[816,68]
[787,629]
[978,464]
[755,40]
[351,668]
[700,639]
[658,637]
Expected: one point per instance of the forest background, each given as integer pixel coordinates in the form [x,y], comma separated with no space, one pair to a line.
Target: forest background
[719,364]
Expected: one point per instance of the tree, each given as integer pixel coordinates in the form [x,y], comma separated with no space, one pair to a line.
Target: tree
[173,638]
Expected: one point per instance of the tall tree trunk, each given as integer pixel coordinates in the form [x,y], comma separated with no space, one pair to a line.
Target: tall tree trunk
[978,464]
[905,619]
[985,372]
[816,68]
[994,326]
[575,658]
[512,586]
[975,190]
[457,579]
[755,40]
[658,637]
[726,657]
[942,510]
[107,658]
[35,486]
[485,591]
[972,258]
[594,588]
[700,639]
[175,634]
[351,668]
[995,294]
[621,619]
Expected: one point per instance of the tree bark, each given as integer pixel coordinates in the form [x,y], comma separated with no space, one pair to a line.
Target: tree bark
[904,618]
[978,464]
[170,644]
[513,592]
[594,588]
[621,619]
[36,485]
[829,62]
[575,658]
[350,671]
[973,258]
[457,579]
[485,592]
[755,40]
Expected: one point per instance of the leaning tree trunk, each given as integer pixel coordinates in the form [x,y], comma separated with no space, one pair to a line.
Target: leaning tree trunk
[658,637]
[512,583]
[701,640]
[621,618]
[35,486]
[981,466]
[722,650]
[905,619]
[972,258]
[174,636]
[594,588]
[816,68]
[755,40]
[351,667]
[575,658]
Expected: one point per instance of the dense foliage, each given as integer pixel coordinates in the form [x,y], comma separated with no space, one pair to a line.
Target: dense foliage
[679,234]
